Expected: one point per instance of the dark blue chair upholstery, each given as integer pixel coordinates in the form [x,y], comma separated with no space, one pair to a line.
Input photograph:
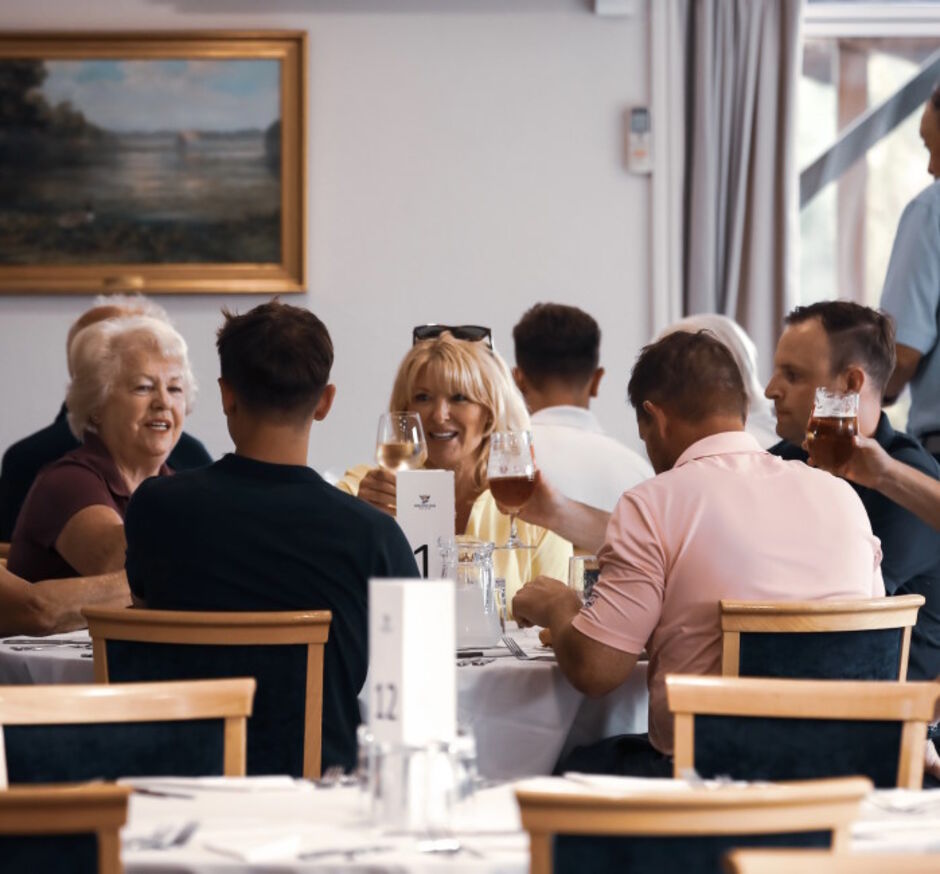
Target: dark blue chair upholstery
[49,854]
[761,748]
[670,854]
[276,727]
[108,751]
[868,654]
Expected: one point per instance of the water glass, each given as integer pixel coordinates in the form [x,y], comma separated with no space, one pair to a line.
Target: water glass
[583,571]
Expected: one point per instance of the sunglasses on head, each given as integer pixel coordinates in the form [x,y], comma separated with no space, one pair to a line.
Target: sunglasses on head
[458,332]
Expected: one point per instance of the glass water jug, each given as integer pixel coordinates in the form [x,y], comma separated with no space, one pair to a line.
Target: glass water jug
[469,563]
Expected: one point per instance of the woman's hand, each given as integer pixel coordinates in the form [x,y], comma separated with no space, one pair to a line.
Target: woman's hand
[377,487]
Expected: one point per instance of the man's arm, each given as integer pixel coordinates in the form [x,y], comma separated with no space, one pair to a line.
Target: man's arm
[51,606]
[904,370]
[577,523]
[591,667]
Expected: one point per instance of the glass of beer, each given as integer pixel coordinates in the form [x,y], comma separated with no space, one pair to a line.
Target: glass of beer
[583,571]
[400,443]
[511,472]
[832,428]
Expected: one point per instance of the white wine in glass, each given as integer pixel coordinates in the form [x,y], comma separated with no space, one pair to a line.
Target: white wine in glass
[400,443]
[512,476]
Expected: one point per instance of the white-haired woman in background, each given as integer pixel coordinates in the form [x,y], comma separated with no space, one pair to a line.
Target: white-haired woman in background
[760,421]
[131,389]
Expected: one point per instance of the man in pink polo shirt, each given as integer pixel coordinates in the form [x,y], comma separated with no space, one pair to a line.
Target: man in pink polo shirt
[722,519]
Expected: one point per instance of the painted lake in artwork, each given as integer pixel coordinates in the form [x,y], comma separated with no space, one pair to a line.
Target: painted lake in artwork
[130,162]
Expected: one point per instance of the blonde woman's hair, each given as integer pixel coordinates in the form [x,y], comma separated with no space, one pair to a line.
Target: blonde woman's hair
[473,370]
[97,355]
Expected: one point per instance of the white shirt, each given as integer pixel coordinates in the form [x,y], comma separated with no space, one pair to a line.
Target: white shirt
[583,462]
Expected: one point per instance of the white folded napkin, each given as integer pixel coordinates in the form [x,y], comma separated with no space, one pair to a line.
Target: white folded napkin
[254,845]
[273,783]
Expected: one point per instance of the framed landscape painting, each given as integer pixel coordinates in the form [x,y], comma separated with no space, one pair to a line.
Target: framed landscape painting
[152,162]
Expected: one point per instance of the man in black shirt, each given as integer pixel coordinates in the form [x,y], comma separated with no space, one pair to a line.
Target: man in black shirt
[25,458]
[848,347]
[259,530]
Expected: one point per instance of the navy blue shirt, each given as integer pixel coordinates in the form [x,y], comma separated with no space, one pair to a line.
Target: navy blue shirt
[247,535]
[910,547]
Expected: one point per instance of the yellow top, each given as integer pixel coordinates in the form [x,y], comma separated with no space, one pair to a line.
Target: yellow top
[517,566]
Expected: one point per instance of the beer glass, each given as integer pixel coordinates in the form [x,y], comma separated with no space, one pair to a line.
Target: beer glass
[400,443]
[511,473]
[583,571]
[832,427]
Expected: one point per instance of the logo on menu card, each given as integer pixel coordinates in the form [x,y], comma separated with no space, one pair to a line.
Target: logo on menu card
[425,503]
[386,623]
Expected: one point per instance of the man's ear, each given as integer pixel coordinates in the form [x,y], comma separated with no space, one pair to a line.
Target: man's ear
[657,417]
[595,382]
[322,408]
[520,380]
[854,378]
[229,401]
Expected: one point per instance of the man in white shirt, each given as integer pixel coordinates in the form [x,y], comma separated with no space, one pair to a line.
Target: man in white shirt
[557,352]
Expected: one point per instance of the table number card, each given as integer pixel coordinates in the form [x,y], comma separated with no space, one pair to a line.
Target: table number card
[425,511]
[412,674]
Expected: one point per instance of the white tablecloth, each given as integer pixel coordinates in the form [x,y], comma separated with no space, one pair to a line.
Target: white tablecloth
[287,818]
[524,714]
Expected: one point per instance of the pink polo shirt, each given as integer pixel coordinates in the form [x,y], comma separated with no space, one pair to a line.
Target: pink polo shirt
[728,521]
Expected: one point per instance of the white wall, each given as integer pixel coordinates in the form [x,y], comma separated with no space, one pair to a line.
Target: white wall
[465,161]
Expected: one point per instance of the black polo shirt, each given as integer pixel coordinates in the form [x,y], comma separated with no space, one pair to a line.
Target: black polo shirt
[247,535]
[910,547]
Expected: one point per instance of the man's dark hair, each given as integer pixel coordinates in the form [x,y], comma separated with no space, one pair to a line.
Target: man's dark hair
[693,376]
[857,335]
[276,358]
[557,342]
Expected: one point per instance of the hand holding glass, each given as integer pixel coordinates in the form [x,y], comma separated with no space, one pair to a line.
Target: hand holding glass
[400,443]
[830,433]
[511,472]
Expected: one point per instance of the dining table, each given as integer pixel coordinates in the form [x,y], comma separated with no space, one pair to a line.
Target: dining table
[523,713]
[239,825]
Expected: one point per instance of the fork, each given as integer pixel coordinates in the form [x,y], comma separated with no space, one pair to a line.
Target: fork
[514,647]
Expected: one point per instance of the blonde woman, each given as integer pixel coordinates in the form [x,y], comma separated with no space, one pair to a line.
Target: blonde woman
[463,392]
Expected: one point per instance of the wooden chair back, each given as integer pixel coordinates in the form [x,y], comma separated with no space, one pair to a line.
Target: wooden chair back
[771,729]
[41,736]
[171,644]
[63,828]
[837,640]
[687,829]
[815,862]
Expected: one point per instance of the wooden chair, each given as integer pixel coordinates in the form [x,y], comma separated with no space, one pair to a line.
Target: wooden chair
[815,862]
[683,830]
[769,729]
[824,640]
[53,829]
[283,651]
[87,732]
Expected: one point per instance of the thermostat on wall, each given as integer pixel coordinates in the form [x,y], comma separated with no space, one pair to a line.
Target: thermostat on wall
[638,141]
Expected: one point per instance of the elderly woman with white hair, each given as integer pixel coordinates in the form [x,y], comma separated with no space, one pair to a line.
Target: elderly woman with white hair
[760,421]
[131,389]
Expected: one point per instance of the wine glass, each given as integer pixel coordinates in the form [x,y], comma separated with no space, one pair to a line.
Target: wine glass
[400,443]
[511,472]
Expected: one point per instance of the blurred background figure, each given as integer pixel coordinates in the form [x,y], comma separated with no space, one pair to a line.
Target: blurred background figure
[557,370]
[760,420]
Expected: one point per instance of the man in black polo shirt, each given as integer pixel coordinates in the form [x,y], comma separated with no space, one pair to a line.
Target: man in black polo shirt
[25,458]
[259,530]
[848,347]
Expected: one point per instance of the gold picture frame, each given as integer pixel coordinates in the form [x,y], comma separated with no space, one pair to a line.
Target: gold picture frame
[153,162]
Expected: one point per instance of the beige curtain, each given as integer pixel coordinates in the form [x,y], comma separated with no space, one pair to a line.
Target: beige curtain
[741,220]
